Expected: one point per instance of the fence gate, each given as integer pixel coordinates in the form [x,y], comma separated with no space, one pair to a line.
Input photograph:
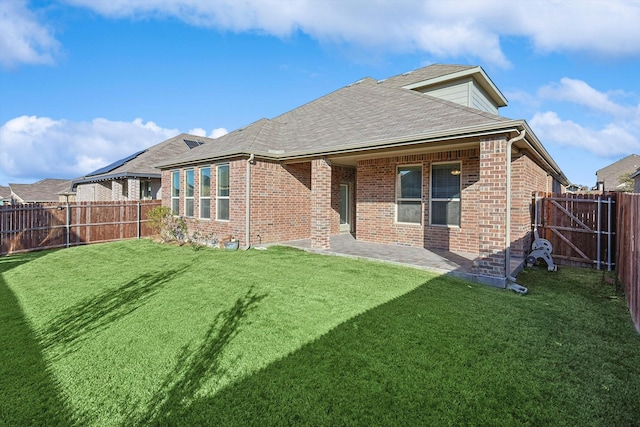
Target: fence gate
[580,227]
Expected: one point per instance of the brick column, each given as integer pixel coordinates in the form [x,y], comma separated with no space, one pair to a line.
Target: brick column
[320,204]
[492,209]
[116,190]
[133,189]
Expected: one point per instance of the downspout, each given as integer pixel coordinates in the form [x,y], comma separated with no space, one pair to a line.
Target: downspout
[507,268]
[247,200]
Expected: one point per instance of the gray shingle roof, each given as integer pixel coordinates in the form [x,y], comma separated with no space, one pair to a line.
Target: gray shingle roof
[364,114]
[426,73]
[5,193]
[144,164]
[46,190]
[610,174]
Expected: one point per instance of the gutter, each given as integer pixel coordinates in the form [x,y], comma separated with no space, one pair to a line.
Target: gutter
[247,225]
[120,175]
[399,142]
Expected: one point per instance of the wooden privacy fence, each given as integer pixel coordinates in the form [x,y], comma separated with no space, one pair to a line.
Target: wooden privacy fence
[580,227]
[55,225]
[629,252]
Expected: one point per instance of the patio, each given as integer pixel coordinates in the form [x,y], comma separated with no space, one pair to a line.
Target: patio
[445,262]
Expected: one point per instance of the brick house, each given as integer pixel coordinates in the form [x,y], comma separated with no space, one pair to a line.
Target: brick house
[421,159]
[134,177]
[609,177]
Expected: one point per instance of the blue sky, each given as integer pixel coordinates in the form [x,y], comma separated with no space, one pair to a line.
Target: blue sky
[87,82]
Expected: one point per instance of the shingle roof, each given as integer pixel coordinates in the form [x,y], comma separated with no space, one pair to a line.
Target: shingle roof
[144,163]
[610,174]
[46,190]
[364,114]
[425,73]
[5,193]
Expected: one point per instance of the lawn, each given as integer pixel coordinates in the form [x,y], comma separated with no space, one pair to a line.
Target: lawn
[138,333]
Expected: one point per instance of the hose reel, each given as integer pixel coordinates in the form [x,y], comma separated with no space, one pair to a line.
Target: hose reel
[541,249]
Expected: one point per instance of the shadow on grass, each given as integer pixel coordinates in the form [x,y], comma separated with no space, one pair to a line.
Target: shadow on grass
[196,366]
[447,353]
[29,392]
[92,315]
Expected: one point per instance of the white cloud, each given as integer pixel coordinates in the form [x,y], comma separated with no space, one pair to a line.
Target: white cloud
[619,136]
[610,140]
[218,132]
[445,30]
[23,39]
[579,92]
[215,133]
[33,147]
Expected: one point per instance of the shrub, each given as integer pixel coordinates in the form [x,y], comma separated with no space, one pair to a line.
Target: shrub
[169,227]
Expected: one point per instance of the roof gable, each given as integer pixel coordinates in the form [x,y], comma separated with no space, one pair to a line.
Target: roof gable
[46,190]
[435,76]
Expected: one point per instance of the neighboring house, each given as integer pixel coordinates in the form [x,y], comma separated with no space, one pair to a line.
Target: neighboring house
[134,177]
[46,190]
[420,159]
[5,195]
[609,176]
[636,181]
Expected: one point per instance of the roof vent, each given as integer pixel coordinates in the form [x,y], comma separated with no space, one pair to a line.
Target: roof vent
[407,73]
[276,151]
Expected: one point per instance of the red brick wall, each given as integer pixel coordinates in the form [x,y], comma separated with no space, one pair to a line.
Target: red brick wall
[526,178]
[376,209]
[492,203]
[322,215]
[280,202]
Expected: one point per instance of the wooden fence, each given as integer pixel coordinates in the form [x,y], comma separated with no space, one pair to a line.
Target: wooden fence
[30,227]
[629,252]
[580,227]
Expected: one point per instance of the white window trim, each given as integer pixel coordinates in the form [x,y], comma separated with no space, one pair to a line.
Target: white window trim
[451,199]
[218,197]
[187,198]
[173,176]
[204,197]
[400,199]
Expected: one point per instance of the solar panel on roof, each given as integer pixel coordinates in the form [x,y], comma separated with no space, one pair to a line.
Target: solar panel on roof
[192,144]
[115,164]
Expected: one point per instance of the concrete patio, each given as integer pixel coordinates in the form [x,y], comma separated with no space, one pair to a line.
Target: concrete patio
[439,261]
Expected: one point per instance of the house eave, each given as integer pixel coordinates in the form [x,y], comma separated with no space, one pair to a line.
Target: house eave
[110,177]
[508,127]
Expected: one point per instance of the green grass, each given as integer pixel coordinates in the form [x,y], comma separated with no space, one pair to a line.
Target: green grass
[137,333]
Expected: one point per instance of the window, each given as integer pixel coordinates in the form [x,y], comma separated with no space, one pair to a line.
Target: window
[409,194]
[188,192]
[445,194]
[222,194]
[145,190]
[175,193]
[205,193]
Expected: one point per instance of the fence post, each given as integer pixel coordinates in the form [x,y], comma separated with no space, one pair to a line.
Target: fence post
[139,219]
[599,231]
[68,225]
[609,232]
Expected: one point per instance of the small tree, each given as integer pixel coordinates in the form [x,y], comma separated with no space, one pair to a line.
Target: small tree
[626,183]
